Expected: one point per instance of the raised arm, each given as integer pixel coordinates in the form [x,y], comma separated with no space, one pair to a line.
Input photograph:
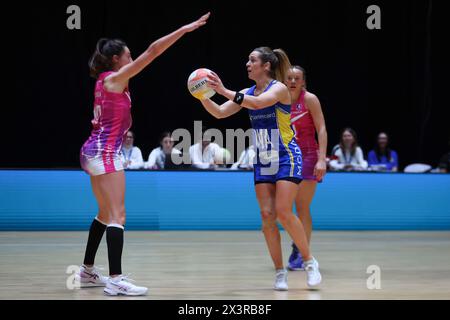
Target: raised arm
[154,50]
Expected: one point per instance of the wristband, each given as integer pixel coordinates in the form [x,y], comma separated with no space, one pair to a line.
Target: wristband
[238,98]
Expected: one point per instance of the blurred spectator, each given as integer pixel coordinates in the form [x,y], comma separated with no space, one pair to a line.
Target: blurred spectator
[131,155]
[158,158]
[349,155]
[245,161]
[444,162]
[382,158]
[333,151]
[203,153]
[222,158]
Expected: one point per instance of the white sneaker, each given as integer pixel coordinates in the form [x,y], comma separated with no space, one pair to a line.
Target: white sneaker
[90,277]
[122,286]
[281,280]
[313,275]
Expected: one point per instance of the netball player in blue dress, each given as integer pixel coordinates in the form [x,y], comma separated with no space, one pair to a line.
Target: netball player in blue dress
[277,171]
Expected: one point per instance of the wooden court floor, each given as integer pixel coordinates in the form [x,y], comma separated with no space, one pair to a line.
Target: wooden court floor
[231,265]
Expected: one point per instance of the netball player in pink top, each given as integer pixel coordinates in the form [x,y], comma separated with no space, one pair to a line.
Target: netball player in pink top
[307,119]
[112,66]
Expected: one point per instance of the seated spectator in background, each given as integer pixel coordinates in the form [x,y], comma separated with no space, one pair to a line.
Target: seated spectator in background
[245,161]
[203,153]
[444,162]
[131,155]
[222,158]
[333,151]
[349,155]
[382,158]
[157,159]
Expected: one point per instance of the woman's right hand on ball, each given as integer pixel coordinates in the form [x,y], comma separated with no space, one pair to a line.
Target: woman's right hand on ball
[215,83]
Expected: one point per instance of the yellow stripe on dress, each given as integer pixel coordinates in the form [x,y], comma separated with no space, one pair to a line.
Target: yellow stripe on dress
[286,132]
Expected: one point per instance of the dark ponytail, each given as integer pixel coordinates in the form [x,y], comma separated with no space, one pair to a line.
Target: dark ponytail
[101,60]
[279,62]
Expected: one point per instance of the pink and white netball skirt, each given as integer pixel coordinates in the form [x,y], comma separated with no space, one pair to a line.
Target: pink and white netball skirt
[100,164]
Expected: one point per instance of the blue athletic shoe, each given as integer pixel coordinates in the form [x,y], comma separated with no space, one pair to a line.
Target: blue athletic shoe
[295,260]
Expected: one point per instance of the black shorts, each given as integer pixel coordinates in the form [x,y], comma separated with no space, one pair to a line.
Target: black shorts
[290,179]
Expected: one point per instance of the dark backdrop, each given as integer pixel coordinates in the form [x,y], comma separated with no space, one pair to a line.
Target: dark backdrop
[393,79]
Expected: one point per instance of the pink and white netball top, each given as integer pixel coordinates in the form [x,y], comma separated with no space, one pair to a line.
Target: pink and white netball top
[303,123]
[112,120]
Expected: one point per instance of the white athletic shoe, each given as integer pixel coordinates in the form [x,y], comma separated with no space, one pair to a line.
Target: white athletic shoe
[313,276]
[90,277]
[122,286]
[281,280]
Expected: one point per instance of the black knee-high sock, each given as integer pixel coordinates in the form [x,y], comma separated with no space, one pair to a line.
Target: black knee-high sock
[95,237]
[114,239]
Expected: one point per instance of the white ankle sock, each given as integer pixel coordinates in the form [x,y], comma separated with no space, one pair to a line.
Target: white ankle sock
[116,279]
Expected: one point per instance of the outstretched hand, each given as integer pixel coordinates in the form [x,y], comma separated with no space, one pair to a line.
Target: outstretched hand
[198,23]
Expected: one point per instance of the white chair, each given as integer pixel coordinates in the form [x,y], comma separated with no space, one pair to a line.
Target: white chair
[417,168]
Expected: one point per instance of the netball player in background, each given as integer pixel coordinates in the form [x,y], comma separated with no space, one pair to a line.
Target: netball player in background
[307,119]
[112,66]
[269,104]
